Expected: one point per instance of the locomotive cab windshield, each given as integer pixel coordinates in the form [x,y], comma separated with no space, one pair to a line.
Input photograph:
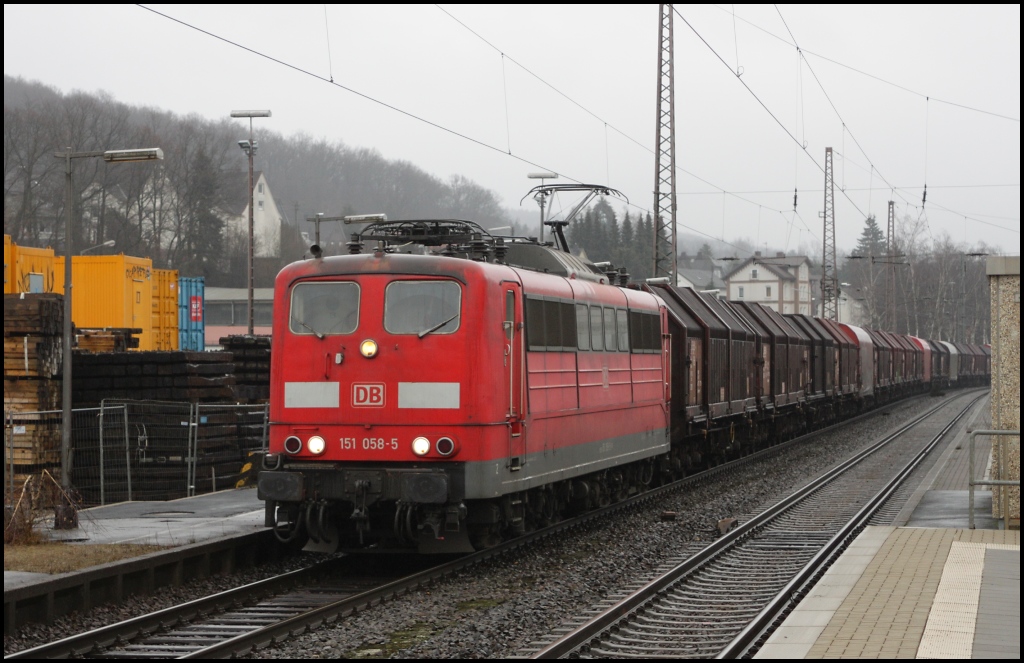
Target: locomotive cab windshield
[422,307]
[324,309]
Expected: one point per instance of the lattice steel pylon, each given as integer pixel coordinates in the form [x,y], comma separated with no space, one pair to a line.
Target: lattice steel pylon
[665,155]
[890,272]
[829,273]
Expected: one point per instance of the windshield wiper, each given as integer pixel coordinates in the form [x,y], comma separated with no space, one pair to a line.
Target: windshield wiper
[315,332]
[437,326]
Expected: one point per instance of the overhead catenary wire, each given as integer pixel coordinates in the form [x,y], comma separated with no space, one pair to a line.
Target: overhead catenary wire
[869,75]
[586,110]
[854,138]
[409,114]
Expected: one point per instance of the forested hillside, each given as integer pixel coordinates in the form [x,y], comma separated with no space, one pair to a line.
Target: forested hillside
[173,210]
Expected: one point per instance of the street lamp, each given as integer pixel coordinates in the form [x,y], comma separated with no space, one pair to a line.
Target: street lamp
[249,147]
[65,516]
[106,244]
[541,197]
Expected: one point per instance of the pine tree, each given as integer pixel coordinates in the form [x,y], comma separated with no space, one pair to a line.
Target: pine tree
[872,239]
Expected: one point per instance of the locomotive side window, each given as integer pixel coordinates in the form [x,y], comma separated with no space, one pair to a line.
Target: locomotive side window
[422,307]
[535,339]
[596,328]
[644,332]
[324,309]
[568,326]
[550,325]
[622,322]
[610,342]
[582,327]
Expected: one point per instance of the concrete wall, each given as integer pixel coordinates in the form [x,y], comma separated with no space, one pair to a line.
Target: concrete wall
[1004,285]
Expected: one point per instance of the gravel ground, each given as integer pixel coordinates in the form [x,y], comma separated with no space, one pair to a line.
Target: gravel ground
[32,635]
[495,609]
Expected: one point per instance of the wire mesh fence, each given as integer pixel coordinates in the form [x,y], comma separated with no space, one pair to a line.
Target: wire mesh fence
[137,450]
[224,436]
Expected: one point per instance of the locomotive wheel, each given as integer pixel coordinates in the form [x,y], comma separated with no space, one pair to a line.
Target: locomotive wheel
[484,536]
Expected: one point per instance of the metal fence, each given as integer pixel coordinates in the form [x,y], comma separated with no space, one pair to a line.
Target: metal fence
[138,450]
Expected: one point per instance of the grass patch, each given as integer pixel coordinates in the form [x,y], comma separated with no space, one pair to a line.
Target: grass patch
[55,557]
[479,604]
[399,640]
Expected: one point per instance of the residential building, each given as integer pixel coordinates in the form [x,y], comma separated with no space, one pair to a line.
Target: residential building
[267,218]
[782,283]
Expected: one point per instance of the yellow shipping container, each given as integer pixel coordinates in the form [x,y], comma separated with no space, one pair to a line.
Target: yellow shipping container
[165,309]
[32,269]
[111,291]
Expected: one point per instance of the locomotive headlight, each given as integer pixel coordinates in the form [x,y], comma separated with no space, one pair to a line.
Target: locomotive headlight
[421,446]
[368,348]
[316,445]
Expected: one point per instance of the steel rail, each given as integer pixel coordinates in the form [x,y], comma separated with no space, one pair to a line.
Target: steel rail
[145,625]
[299,624]
[797,587]
[622,609]
[106,636]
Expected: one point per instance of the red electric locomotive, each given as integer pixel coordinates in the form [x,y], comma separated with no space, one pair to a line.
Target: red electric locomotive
[445,400]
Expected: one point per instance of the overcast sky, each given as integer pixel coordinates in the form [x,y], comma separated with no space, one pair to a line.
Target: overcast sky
[592,117]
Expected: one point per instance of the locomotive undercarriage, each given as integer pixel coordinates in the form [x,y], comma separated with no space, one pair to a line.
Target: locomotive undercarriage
[329,509]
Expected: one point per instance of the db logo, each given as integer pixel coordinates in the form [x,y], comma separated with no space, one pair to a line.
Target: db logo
[367,395]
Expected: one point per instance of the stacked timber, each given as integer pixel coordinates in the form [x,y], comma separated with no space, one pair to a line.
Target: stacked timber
[252,367]
[108,339]
[32,386]
[188,377]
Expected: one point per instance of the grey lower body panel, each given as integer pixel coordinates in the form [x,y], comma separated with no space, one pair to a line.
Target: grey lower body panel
[494,478]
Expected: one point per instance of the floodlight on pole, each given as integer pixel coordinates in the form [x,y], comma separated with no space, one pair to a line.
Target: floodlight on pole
[541,197]
[106,244]
[365,218]
[249,147]
[66,517]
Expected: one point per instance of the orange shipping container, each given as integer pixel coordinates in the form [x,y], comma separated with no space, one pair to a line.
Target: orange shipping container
[165,309]
[111,291]
[32,269]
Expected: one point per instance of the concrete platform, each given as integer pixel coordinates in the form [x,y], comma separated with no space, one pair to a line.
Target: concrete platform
[911,593]
[172,524]
[930,588]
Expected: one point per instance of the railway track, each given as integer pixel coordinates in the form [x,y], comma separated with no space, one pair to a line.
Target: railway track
[723,600]
[235,622]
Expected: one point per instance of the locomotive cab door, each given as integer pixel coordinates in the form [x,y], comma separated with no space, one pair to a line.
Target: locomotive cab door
[514,367]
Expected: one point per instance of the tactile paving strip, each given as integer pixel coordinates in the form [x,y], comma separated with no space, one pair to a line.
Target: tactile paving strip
[949,632]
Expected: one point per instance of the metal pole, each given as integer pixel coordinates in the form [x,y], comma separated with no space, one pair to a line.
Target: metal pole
[252,148]
[127,451]
[543,199]
[66,518]
[103,469]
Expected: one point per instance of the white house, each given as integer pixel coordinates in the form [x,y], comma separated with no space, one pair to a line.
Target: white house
[267,218]
[782,283]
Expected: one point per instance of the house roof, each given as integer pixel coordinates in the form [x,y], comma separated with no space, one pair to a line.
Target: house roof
[701,278]
[778,265]
[235,187]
